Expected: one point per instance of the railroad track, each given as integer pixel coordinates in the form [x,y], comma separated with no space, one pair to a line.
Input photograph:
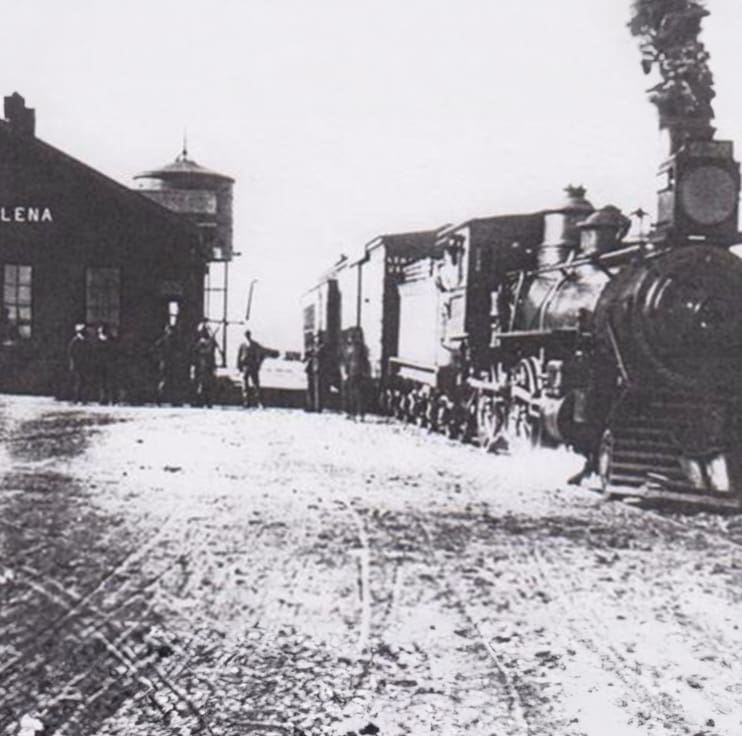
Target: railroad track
[374,580]
[520,725]
[590,629]
[559,571]
[486,670]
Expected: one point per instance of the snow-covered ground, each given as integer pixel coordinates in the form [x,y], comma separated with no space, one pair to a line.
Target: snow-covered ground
[183,571]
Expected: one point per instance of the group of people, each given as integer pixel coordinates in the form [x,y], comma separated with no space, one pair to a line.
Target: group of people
[203,360]
[184,369]
[348,372]
[92,365]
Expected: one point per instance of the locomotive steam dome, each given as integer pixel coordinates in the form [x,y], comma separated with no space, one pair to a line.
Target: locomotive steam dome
[677,320]
[603,230]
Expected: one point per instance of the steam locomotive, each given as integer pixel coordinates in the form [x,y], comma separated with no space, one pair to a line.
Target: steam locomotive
[553,328]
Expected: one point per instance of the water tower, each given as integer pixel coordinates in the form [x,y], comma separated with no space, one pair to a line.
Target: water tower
[204,197]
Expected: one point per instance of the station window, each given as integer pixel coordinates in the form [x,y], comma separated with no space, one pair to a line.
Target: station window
[102,296]
[15,321]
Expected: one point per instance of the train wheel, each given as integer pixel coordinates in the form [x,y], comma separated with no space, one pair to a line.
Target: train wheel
[523,420]
[444,418]
[458,426]
[431,413]
[470,423]
[491,418]
[522,428]
[399,405]
[385,402]
[442,414]
[409,406]
[419,410]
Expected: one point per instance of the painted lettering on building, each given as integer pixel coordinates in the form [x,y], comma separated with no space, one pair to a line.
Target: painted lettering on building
[25,214]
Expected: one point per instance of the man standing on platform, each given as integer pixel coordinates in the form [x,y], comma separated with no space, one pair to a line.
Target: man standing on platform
[79,358]
[203,362]
[316,370]
[249,359]
[103,359]
[168,354]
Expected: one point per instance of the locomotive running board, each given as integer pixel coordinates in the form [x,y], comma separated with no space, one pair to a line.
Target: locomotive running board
[644,493]
[409,369]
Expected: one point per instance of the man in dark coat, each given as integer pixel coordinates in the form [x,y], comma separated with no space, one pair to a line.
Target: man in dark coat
[203,361]
[316,370]
[79,360]
[103,359]
[250,357]
[168,354]
[356,373]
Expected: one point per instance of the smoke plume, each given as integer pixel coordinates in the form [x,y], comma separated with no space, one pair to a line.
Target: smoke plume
[669,31]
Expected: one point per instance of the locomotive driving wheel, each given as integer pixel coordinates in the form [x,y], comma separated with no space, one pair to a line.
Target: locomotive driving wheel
[491,410]
[523,416]
[431,412]
[419,408]
[491,419]
[386,401]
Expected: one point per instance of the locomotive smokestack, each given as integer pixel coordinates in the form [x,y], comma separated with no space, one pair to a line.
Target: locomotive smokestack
[669,33]
[561,231]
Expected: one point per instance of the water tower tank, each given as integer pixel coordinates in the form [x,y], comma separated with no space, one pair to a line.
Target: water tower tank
[202,195]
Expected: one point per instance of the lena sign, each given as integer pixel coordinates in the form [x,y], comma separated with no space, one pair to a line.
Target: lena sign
[25,214]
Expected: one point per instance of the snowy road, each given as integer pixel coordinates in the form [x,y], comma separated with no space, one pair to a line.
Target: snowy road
[182,571]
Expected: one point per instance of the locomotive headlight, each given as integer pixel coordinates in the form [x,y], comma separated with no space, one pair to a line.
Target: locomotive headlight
[699,199]
[708,194]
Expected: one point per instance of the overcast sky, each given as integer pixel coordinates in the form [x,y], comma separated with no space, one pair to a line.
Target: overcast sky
[344,119]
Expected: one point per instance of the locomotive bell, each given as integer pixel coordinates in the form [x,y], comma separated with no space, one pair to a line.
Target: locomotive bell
[699,199]
[561,232]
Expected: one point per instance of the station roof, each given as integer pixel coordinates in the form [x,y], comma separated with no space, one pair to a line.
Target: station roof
[113,188]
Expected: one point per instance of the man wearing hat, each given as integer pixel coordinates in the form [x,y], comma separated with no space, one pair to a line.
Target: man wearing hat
[203,362]
[250,357]
[79,359]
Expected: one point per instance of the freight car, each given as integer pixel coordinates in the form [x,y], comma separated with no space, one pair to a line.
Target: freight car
[445,316]
[552,329]
[361,292]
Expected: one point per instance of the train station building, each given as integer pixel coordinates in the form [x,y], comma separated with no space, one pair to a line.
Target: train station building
[78,247]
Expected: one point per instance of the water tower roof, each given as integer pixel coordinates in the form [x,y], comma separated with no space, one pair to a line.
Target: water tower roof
[182,167]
